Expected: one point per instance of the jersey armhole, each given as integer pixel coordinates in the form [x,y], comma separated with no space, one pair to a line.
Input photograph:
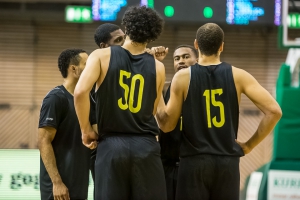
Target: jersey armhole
[188,87]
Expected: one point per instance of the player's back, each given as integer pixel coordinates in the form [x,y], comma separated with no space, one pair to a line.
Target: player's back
[211,112]
[125,98]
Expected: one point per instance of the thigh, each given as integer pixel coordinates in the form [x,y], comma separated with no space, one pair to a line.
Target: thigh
[227,182]
[195,177]
[147,173]
[112,169]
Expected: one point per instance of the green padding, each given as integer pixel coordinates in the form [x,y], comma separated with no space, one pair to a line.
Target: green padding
[286,154]
[287,131]
[262,193]
[292,165]
[284,77]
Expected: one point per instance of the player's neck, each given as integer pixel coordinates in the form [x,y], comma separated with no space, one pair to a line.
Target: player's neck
[133,47]
[209,60]
[70,85]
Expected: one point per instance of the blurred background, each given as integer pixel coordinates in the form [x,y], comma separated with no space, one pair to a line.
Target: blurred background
[34,32]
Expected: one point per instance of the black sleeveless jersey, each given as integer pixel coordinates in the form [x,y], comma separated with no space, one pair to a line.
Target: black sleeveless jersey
[170,142]
[125,99]
[211,112]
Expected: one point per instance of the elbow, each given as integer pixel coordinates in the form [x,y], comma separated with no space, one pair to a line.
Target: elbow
[40,142]
[77,93]
[163,129]
[43,143]
[167,127]
[165,123]
[276,113]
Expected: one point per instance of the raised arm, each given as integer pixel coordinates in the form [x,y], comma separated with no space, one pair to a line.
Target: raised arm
[88,78]
[168,115]
[247,84]
[160,81]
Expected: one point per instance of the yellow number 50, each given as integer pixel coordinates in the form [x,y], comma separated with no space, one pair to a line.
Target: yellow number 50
[211,98]
[130,93]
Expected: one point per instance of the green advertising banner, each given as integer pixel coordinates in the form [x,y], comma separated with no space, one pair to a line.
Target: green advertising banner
[19,175]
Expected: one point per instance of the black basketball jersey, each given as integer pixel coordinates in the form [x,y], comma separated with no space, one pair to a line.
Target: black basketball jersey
[211,112]
[170,142]
[125,99]
[72,157]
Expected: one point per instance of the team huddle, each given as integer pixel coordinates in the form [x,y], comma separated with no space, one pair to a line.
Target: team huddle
[111,108]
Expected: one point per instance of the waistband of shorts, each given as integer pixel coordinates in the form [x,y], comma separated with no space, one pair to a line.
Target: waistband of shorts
[209,155]
[107,135]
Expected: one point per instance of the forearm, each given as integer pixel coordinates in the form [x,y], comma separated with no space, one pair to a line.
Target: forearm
[49,161]
[82,107]
[163,118]
[266,125]
[162,121]
[160,114]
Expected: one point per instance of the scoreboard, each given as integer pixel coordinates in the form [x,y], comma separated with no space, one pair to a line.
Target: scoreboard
[232,12]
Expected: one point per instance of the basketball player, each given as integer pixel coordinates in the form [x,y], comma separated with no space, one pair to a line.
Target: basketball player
[183,56]
[210,93]
[128,164]
[64,170]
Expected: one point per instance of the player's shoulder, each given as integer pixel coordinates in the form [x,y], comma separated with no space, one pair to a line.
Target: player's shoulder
[101,52]
[242,77]
[57,96]
[239,73]
[184,72]
[182,77]
[56,93]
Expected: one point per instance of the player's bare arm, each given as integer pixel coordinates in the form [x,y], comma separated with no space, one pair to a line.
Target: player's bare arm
[88,78]
[45,137]
[160,80]
[168,115]
[248,85]
[95,128]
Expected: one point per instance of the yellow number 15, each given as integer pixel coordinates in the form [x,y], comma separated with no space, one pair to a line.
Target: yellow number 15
[210,97]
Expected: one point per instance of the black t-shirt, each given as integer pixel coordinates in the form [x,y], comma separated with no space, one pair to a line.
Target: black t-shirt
[170,142]
[211,112]
[72,157]
[125,100]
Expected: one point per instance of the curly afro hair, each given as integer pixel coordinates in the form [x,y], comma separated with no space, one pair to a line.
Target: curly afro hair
[68,57]
[102,33]
[209,38]
[142,24]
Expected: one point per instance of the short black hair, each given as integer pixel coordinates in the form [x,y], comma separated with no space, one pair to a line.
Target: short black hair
[102,33]
[142,24]
[209,38]
[188,46]
[68,57]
